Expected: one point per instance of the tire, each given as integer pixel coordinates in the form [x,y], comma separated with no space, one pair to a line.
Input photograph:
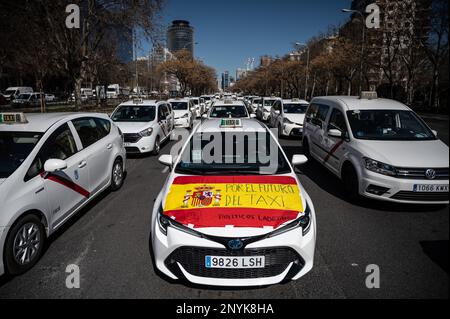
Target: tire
[280,132]
[350,181]
[20,260]
[117,175]
[157,147]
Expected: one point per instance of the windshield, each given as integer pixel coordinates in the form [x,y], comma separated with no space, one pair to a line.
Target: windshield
[242,153]
[14,149]
[233,111]
[256,102]
[134,113]
[9,92]
[112,90]
[269,103]
[179,106]
[295,108]
[195,102]
[388,125]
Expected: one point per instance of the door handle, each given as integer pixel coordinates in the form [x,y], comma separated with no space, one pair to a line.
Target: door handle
[82,164]
[109,146]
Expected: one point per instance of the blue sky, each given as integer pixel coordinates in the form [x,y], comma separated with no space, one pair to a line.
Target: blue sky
[228,32]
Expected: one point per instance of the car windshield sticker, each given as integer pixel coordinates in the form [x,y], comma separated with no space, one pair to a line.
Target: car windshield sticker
[239,201]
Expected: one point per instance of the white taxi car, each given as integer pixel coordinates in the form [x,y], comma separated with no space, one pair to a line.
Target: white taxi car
[235,216]
[51,165]
[182,109]
[288,117]
[200,106]
[228,109]
[380,149]
[263,110]
[145,124]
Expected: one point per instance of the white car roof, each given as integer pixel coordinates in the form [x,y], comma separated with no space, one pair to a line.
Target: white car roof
[185,100]
[351,103]
[214,126]
[144,102]
[40,123]
[228,103]
[295,101]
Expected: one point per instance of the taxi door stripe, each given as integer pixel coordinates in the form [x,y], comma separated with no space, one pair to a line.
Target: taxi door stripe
[243,179]
[69,184]
[333,150]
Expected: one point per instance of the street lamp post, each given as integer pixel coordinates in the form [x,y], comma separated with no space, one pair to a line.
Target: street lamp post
[362,44]
[307,67]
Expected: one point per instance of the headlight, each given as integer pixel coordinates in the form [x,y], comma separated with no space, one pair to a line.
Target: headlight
[165,222]
[304,221]
[146,132]
[379,167]
[185,116]
[287,121]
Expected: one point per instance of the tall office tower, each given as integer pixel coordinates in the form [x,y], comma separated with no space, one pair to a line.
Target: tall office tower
[180,36]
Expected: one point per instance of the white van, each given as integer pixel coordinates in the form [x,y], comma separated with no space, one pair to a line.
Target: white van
[12,92]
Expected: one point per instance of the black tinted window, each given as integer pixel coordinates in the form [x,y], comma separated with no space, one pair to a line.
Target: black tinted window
[60,145]
[337,121]
[89,131]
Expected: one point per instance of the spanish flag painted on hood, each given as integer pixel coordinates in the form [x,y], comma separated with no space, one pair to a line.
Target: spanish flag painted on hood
[239,201]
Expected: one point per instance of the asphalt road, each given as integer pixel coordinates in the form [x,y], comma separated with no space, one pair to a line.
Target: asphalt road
[109,242]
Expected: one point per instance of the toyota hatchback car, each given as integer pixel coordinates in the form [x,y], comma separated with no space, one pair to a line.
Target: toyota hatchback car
[51,166]
[379,148]
[233,212]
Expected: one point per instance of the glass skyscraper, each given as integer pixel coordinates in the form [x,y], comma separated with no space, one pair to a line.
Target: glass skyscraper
[180,36]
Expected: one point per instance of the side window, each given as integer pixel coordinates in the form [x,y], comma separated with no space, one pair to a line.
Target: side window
[104,126]
[60,145]
[277,106]
[162,112]
[337,121]
[167,109]
[323,112]
[88,131]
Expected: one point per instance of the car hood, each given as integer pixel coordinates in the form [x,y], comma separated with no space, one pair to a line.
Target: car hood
[296,118]
[180,113]
[130,127]
[233,206]
[2,180]
[408,154]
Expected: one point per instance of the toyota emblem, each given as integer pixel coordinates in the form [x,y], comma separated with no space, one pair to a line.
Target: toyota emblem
[430,174]
[235,244]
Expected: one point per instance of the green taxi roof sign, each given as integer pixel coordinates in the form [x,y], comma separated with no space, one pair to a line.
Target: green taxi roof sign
[230,123]
[13,118]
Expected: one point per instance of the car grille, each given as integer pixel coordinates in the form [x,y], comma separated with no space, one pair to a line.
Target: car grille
[132,150]
[421,197]
[131,138]
[193,261]
[296,132]
[420,173]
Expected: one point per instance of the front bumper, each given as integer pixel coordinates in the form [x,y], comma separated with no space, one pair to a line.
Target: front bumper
[292,130]
[3,234]
[401,190]
[144,145]
[182,123]
[289,256]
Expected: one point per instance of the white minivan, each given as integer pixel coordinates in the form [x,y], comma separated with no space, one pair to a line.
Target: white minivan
[12,92]
[380,149]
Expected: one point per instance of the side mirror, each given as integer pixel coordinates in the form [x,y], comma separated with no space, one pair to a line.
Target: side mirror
[253,116]
[435,133]
[166,160]
[298,160]
[335,133]
[54,165]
